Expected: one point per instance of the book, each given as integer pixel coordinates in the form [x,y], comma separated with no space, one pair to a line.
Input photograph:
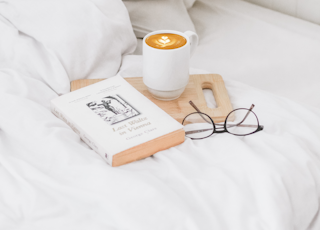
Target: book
[117,121]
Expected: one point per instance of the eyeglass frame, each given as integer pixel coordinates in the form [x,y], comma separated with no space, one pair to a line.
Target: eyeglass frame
[259,127]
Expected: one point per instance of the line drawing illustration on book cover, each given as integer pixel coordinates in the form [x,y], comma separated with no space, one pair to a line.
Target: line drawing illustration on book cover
[113,109]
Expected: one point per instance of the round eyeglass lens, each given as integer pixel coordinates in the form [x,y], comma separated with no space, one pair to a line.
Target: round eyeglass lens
[198,125]
[242,122]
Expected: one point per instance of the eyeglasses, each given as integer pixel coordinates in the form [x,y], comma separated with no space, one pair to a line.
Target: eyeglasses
[240,122]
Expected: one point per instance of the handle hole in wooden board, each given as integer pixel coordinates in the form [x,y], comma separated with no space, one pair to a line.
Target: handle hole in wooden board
[208,95]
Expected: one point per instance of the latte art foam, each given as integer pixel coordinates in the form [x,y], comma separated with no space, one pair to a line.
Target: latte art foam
[166,41]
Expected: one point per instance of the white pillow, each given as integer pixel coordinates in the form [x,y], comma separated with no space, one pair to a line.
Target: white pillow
[148,16]
[88,38]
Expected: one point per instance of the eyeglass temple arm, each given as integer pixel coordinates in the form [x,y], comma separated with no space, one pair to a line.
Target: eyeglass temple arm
[245,117]
[198,110]
[194,106]
[252,106]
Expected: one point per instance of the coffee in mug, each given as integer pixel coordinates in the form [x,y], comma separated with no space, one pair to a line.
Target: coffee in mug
[166,55]
[166,41]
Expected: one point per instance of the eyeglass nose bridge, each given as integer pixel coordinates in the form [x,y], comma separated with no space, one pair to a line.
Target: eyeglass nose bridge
[220,93]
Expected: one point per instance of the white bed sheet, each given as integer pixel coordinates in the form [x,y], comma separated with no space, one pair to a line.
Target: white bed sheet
[259,47]
[51,180]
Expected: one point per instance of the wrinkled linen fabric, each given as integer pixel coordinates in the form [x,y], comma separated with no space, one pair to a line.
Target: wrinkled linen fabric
[78,39]
[189,3]
[51,180]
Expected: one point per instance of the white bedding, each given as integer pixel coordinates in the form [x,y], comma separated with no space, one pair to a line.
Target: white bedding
[51,180]
[260,47]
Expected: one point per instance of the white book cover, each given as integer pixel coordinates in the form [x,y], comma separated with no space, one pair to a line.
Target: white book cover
[111,116]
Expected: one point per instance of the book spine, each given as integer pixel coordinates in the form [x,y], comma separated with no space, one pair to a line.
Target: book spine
[83,135]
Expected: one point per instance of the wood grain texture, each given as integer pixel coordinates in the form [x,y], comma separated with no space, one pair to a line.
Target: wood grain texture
[149,148]
[180,107]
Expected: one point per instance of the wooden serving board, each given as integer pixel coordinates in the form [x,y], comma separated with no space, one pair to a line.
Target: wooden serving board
[180,107]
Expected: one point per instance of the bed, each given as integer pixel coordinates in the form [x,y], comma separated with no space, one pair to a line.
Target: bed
[50,179]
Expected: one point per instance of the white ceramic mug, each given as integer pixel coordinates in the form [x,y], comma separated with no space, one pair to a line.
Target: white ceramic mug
[166,71]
